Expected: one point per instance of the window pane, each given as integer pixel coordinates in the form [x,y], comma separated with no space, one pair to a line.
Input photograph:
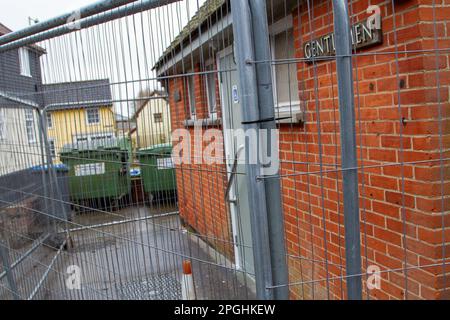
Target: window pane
[286,73]
[157,117]
[93,116]
[29,126]
[211,86]
[49,120]
[24,59]
[52,148]
[191,92]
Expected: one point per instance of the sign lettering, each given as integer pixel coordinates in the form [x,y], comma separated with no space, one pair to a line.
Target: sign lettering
[363,35]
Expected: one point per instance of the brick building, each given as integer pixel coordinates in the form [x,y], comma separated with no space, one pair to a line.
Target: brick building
[402,110]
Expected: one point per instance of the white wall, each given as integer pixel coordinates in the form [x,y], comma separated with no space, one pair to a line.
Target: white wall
[16,151]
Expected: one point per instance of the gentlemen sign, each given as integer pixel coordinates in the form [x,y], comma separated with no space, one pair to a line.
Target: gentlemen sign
[363,35]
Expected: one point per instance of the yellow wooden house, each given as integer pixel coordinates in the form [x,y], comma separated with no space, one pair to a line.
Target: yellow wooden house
[152,118]
[78,112]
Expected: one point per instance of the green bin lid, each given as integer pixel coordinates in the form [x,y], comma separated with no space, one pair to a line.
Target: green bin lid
[156,149]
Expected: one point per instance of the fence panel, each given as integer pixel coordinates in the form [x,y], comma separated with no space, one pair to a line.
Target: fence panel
[156,133]
[397,64]
[109,114]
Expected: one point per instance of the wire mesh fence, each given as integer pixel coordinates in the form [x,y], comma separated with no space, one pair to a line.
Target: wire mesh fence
[127,138]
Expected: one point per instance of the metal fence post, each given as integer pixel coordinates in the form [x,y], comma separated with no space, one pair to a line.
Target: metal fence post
[46,181]
[243,38]
[54,193]
[4,255]
[267,111]
[344,69]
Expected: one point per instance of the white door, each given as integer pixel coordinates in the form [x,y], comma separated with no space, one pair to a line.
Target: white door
[232,119]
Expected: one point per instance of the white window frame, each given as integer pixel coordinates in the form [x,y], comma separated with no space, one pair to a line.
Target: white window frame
[210,67]
[193,115]
[276,28]
[30,129]
[51,141]
[87,116]
[25,62]
[49,119]
[2,124]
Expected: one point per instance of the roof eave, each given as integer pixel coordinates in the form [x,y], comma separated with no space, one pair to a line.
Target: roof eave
[164,66]
[209,8]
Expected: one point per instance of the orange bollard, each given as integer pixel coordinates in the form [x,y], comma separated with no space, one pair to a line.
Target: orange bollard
[187,282]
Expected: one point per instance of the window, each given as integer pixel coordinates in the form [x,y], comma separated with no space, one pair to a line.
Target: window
[49,120]
[285,74]
[191,95]
[158,117]
[51,145]
[24,61]
[211,90]
[93,116]
[2,124]
[29,126]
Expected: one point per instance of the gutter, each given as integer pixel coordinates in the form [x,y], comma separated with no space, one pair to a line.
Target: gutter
[21,101]
[164,65]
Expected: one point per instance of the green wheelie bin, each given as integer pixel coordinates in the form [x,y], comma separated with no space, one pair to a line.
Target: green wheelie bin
[158,172]
[99,174]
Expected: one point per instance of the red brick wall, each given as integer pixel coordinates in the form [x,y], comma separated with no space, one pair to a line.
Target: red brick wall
[313,204]
[201,188]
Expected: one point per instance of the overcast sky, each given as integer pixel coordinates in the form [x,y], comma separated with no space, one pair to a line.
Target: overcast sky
[122,51]
[14,13]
